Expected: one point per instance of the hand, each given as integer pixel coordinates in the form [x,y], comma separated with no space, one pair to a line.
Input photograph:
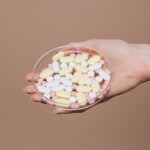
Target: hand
[128,67]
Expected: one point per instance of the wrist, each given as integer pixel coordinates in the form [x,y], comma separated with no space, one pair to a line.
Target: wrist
[142,54]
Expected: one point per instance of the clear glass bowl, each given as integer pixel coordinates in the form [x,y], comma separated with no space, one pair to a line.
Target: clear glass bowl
[46,58]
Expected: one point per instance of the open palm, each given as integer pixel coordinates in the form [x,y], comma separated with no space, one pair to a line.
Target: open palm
[125,66]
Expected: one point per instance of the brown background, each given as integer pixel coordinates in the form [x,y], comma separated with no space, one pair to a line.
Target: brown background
[28,28]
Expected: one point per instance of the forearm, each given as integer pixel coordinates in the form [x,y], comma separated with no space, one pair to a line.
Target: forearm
[142,52]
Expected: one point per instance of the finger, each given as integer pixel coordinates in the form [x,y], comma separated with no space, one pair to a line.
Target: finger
[58,110]
[36,98]
[29,89]
[31,76]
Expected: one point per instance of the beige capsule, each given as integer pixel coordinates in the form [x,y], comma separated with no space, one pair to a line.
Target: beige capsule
[95,86]
[46,73]
[81,69]
[63,94]
[81,58]
[67,59]
[76,77]
[83,80]
[58,56]
[62,102]
[83,88]
[65,71]
[81,99]
[94,59]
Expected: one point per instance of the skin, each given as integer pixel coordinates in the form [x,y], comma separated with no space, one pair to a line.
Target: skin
[130,64]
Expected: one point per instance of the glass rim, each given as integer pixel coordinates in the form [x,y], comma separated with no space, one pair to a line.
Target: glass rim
[101,93]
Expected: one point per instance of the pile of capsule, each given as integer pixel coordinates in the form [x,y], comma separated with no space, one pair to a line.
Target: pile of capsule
[73,79]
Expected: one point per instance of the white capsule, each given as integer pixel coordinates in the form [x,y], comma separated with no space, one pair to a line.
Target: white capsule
[62,79]
[62,87]
[92,94]
[104,75]
[63,65]
[43,89]
[48,90]
[72,65]
[57,77]
[48,84]
[58,88]
[99,78]
[89,82]
[56,69]
[95,66]
[54,89]
[67,82]
[68,89]
[68,76]
[49,79]
[73,99]
[84,64]
[91,73]
[55,64]
[47,95]
[54,83]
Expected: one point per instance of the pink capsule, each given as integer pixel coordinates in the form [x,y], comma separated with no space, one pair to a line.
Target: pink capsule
[92,78]
[97,70]
[40,80]
[72,55]
[74,86]
[54,98]
[91,101]
[73,93]
[44,83]
[49,65]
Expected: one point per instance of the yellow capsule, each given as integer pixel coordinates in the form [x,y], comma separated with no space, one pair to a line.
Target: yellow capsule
[46,73]
[83,88]
[63,94]
[64,71]
[81,99]
[76,77]
[62,102]
[94,59]
[67,59]
[81,68]
[95,86]
[83,80]
[81,58]
[58,56]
